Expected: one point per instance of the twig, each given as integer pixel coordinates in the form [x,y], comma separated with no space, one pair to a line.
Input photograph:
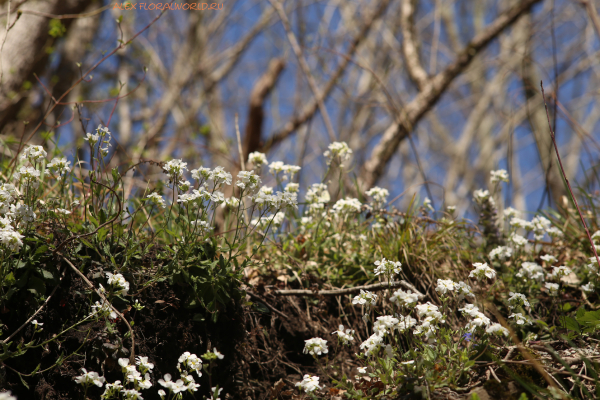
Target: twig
[82,276]
[341,292]
[270,307]
[304,67]
[38,310]
[562,171]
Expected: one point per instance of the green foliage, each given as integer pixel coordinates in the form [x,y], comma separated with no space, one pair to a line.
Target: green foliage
[57,29]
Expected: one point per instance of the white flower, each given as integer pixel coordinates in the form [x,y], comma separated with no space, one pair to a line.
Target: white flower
[402,298]
[530,270]
[497,329]
[112,390]
[309,383]
[445,285]
[33,154]
[7,396]
[292,187]
[346,206]
[11,239]
[58,166]
[216,394]
[175,169]
[29,175]
[201,174]
[550,259]
[470,309]
[482,271]
[540,226]
[479,321]
[162,393]
[552,288]
[257,159]
[36,325]
[372,344]
[429,310]
[499,175]
[190,362]
[92,138]
[387,267]
[219,177]
[231,202]
[131,394]
[480,195]
[427,204]
[202,227]
[385,324]
[517,240]
[501,253]
[510,212]
[216,352]
[517,299]
[315,347]
[157,199]
[589,287]
[362,370]
[520,319]
[365,298]
[88,378]
[248,180]
[317,193]
[103,309]
[379,196]
[118,282]
[338,151]
[144,365]
[345,337]
[462,289]
[559,272]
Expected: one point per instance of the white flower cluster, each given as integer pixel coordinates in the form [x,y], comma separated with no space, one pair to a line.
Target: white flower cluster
[134,376]
[177,386]
[257,159]
[347,206]
[520,319]
[33,154]
[315,347]
[345,337]
[29,177]
[406,299]
[10,238]
[448,285]
[118,282]
[89,378]
[481,195]
[190,363]
[156,199]
[103,136]
[559,272]
[175,169]
[552,288]
[379,196]
[499,175]
[387,267]
[482,271]
[309,383]
[365,298]
[103,309]
[58,166]
[517,300]
[429,316]
[510,212]
[478,319]
[501,253]
[338,151]
[317,196]
[531,271]
[275,201]
[287,171]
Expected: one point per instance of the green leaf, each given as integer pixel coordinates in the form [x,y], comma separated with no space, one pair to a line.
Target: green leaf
[36,286]
[46,274]
[570,324]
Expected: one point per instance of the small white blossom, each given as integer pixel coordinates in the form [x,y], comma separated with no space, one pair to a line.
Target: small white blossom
[499,175]
[345,337]
[482,271]
[379,196]
[257,159]
[552,288]
[365,298]
[387,267]
[445,285]
[88,378]
[520,319]
[516,300]
[497,329]
[338,151]
[501,253]
[315,347]
[309,383]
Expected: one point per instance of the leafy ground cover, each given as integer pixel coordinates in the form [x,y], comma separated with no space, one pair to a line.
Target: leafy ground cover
[181,291]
